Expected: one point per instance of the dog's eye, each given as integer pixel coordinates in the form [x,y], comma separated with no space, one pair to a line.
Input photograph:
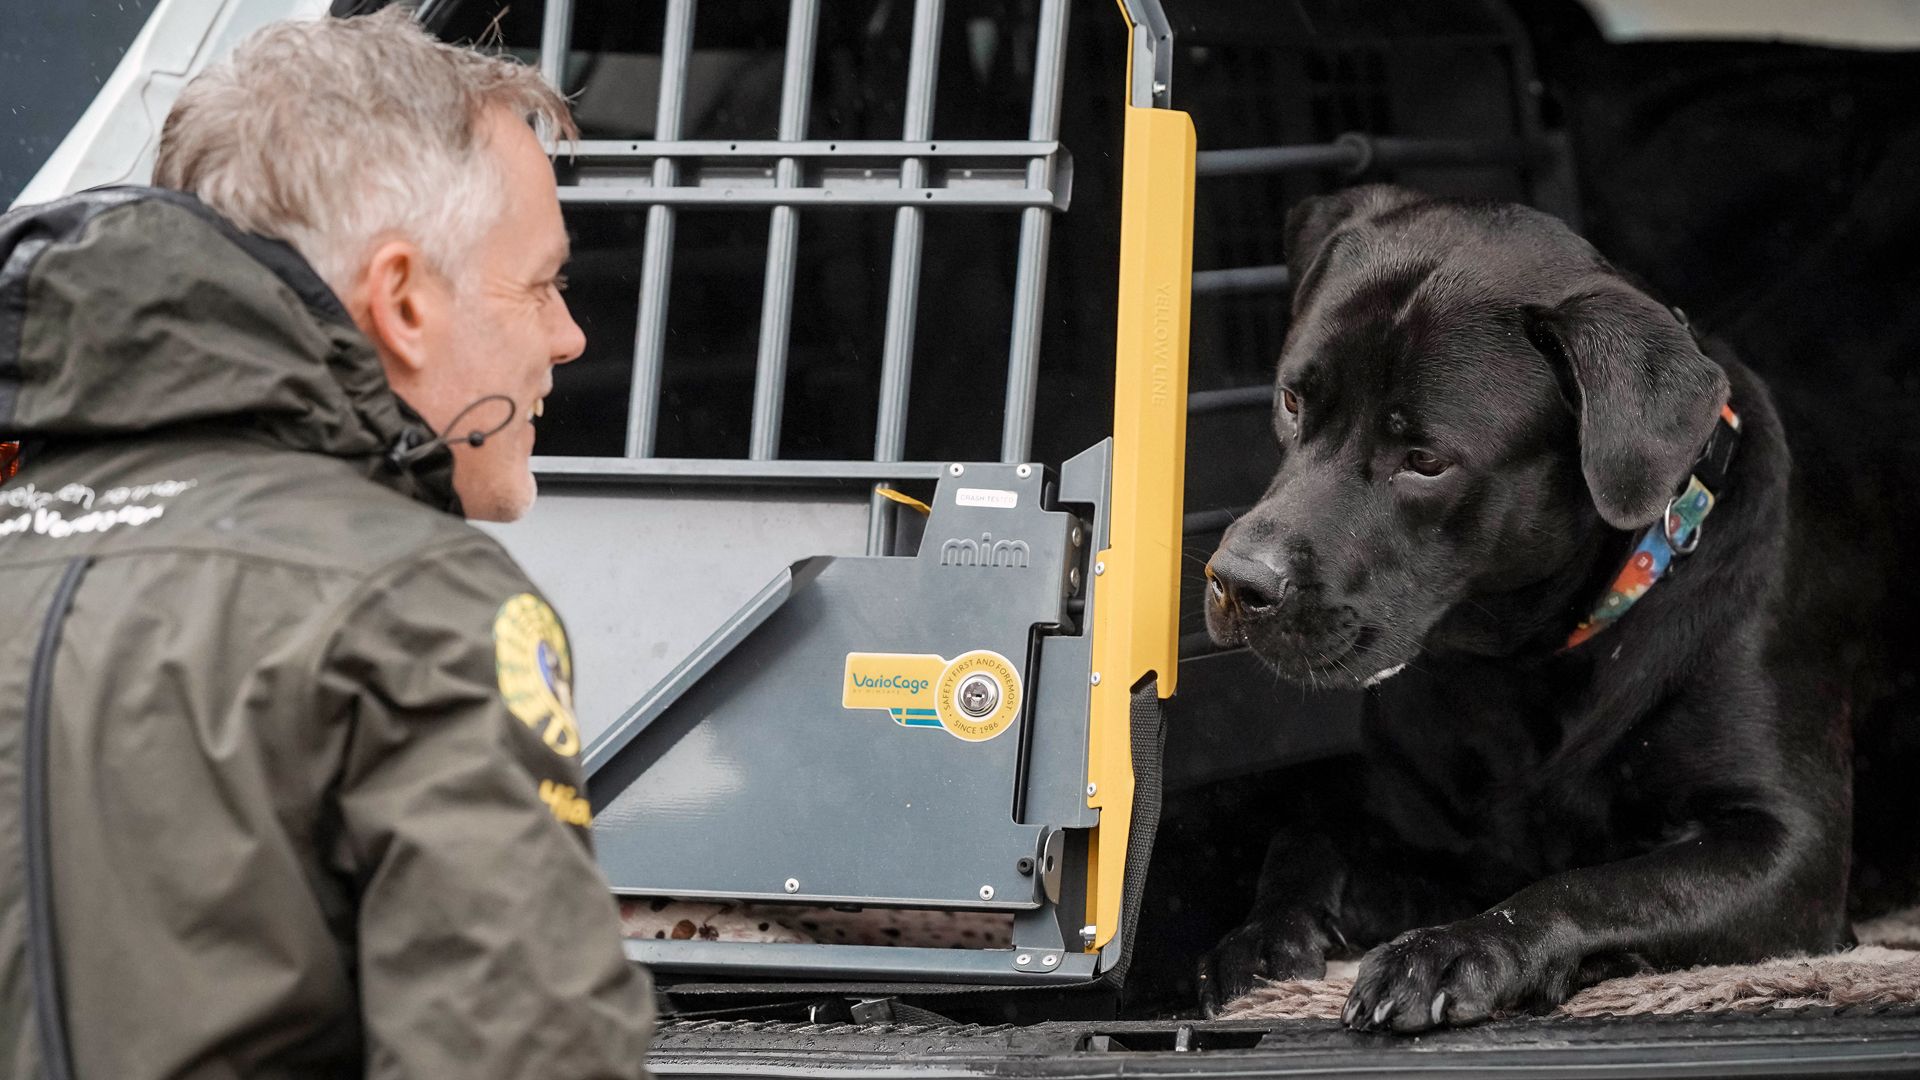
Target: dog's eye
[1427,463]
[1290,401]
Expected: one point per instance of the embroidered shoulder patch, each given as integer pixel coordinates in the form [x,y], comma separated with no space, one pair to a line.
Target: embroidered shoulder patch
[535,671]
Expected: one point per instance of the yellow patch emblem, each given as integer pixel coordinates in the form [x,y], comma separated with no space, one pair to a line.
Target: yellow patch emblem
[568,807]
[536,671]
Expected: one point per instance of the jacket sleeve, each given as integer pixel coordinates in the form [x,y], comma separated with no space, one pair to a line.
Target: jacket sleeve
[488,941]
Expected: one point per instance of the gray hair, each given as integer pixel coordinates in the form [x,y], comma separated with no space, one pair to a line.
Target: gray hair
[334,134]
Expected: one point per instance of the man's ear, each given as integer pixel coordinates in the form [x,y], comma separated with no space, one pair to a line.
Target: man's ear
[397,303]
[1646,396]
[1315,220]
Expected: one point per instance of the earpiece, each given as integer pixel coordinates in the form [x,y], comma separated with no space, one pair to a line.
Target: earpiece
[402,455]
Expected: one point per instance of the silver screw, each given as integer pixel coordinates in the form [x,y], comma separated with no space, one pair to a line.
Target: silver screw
[1159,86]
[1023,960]
[1091,788]
[1099,568]
[986,892]
[1049,961]
[1023,471]
[956,468]
[1073,578]
[1076,536]
[793,884]
[1088,932]
[1096,678]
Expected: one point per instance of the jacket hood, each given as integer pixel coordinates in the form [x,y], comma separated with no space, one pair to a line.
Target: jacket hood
[130,311]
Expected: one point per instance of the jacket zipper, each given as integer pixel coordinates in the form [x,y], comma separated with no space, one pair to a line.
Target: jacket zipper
[49,1013]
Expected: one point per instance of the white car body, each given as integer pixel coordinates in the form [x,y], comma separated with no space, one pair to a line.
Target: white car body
[115,139]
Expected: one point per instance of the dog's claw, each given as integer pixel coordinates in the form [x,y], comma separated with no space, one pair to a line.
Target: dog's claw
[1380,1014]
[1351,1013]
[1439,1007]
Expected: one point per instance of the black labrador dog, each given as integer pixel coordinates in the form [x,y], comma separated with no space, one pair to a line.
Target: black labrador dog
[1617,633]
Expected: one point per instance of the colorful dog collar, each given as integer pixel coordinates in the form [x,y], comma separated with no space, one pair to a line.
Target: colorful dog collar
[1673,537]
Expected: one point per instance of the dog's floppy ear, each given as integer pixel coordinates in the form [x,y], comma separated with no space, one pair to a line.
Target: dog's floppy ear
[1646,396]
[1314,220]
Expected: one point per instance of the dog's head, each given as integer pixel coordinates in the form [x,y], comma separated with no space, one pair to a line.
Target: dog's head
[1469,398]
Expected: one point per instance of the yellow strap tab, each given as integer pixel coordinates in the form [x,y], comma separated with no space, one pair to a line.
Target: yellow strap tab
[903,499]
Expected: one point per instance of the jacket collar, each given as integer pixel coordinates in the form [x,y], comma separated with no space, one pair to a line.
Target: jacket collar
[126,311]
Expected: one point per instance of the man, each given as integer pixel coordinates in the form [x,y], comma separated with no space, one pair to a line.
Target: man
[289,778]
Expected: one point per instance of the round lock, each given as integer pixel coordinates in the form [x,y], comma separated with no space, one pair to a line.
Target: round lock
[978,694]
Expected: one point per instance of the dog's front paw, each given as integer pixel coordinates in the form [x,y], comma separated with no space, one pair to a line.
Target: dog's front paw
[1289,944]
[1460,973]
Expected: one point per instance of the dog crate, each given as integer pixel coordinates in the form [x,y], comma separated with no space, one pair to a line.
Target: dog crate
[903,683]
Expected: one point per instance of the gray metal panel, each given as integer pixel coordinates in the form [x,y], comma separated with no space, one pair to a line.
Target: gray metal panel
[851,804]
[656,259]
[1063,696]
[695,667]
[641,578]
[783,238]
[1036,231]
[1057,755]
[869,962]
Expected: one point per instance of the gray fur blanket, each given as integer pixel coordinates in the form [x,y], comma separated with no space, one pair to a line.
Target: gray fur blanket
[1883,970]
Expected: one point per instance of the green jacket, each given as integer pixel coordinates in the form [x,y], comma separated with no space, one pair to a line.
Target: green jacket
[289,781]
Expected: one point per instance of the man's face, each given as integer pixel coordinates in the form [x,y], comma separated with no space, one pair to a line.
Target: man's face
[503,329]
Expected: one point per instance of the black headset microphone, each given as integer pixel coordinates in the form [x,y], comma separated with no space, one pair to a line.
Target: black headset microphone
[402,455]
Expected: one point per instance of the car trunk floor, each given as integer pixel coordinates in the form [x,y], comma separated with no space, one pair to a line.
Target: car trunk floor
[1878,1039]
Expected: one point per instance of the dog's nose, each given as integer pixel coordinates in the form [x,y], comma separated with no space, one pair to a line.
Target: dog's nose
[1235,581]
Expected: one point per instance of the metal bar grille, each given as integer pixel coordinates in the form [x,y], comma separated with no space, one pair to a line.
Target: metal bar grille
[783,238]
[903,286]
[1356,153]
[1240,279]
[908,177]
[1201,402]
[863,149]
[914,199]
[556,41]
[903,291]
[656,260]
[1036,233]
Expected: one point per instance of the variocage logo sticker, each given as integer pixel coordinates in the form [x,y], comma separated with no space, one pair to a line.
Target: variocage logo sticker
[973,697]
[890,682]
